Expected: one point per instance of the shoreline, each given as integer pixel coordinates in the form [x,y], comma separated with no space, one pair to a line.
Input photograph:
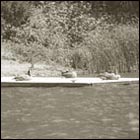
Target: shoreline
[13,68]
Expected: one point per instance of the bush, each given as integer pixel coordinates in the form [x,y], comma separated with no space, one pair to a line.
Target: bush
[68,33]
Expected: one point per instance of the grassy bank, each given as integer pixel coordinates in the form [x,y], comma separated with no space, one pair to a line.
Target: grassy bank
[101,49]
[72,34]
[12,68]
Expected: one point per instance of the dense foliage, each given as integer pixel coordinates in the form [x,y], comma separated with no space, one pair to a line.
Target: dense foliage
[90,35]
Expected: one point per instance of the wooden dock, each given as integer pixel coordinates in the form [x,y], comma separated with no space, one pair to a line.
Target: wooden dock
[63,82]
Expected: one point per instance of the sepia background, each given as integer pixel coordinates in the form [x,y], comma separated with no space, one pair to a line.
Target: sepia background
[87,36]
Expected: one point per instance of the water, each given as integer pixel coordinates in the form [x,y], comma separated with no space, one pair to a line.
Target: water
[103,111]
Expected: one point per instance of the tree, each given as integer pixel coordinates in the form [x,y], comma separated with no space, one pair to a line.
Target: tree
[15,14]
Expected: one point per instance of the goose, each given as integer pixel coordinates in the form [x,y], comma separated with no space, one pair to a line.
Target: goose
[117,76]
[24,77]
[109,76]
[69,74]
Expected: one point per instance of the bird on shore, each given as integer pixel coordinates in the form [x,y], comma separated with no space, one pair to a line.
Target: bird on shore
[109,76]
[24,76]
[69,74]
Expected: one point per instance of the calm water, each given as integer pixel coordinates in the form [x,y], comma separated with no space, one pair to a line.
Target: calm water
[88,112]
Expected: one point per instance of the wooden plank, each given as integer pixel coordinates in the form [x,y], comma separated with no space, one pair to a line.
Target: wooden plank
[59,81]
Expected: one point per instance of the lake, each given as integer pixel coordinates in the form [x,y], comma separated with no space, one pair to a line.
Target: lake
[101,111]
